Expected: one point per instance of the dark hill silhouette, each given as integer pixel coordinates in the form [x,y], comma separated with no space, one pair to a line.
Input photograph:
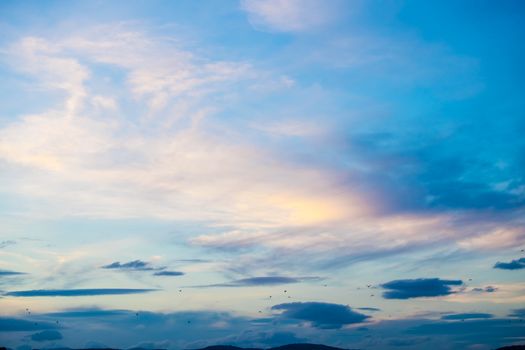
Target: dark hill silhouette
[226,347]
[305,346]
[302,346]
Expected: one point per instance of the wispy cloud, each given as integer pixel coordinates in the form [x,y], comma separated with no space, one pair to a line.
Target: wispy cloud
[10,324]
[132,265]
[263,281]
[6,243]
[75,292]
[467,316]
[290,15]
[10,273]
[168,273]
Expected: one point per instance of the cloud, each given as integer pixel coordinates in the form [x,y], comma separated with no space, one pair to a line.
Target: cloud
[76,292]
[46,336]
[168,273]
[110,326]
[19,325]
[88,312]
[488,289]
[10,273]
[373,309]
[476,330]
[263,281]
[321,315]
[290,15]
[203,328]
[467,316]
[7,243]
[421,287]
[517,264]
[132,265]
[178,95]
[518,313]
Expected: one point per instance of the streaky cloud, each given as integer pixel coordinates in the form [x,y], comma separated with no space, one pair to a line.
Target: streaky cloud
[88,312]
[10,273]
[518,313]
[467,316]
[168,273]
[8,324]
[487,289]
[372,309]
[131,265]
[76,292]
[262,281]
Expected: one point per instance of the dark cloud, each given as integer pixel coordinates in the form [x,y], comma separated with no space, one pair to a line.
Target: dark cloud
[46,336]
[131,265]
[420,287]
[466,316]
[19,325]
[513,265]
[488,289]
[75,292]
[518,313]
[478,330]
[373,309]
[263,281]
[321,315]
[197,329]
[168,273]
[10,273]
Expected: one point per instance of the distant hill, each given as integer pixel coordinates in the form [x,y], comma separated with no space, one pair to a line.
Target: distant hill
[226,347]
[304,346]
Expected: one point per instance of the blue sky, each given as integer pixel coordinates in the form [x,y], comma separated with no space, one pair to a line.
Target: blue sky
[181,174]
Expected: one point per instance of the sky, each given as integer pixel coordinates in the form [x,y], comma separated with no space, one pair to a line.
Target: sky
[178,174]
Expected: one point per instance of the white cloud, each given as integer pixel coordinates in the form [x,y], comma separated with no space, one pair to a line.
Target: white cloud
[142,147]
[290,15]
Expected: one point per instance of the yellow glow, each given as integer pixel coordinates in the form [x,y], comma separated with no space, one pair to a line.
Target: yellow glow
[302,210]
